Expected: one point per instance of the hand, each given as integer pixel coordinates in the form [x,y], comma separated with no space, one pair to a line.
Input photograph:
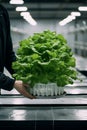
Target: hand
[21,88]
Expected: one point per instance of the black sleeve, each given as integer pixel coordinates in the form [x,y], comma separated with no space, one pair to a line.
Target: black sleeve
[10,54]
[6,82]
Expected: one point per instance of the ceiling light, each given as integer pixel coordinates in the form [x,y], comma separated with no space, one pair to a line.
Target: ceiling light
[76,13]
[30,20]
[21,8]
[27,16]
[67,20]
[24,13]
[82,8]
[16,2]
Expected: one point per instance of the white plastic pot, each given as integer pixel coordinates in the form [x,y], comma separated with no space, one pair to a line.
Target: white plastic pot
[50,89]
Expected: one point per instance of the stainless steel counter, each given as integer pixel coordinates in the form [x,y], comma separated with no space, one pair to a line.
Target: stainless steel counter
[69,111]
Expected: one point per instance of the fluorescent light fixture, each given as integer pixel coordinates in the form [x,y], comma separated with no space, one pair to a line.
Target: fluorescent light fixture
[24,13]
[16,2]
[76,13]
[23,8]
[67,20]
[82,8]
[28,18]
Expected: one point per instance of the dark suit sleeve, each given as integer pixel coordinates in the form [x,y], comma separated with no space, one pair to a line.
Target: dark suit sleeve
[6,82]
[10,54]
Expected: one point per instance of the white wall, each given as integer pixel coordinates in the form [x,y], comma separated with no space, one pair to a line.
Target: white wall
[26,29]
[69,32]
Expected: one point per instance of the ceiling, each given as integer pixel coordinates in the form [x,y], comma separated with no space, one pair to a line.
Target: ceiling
[47,9]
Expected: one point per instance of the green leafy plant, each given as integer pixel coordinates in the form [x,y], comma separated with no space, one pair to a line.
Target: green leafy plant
[45,57]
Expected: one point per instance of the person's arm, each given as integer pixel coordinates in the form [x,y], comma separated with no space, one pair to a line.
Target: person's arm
[10,54]
[8,84]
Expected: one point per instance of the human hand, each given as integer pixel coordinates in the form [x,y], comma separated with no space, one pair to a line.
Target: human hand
[22,89]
